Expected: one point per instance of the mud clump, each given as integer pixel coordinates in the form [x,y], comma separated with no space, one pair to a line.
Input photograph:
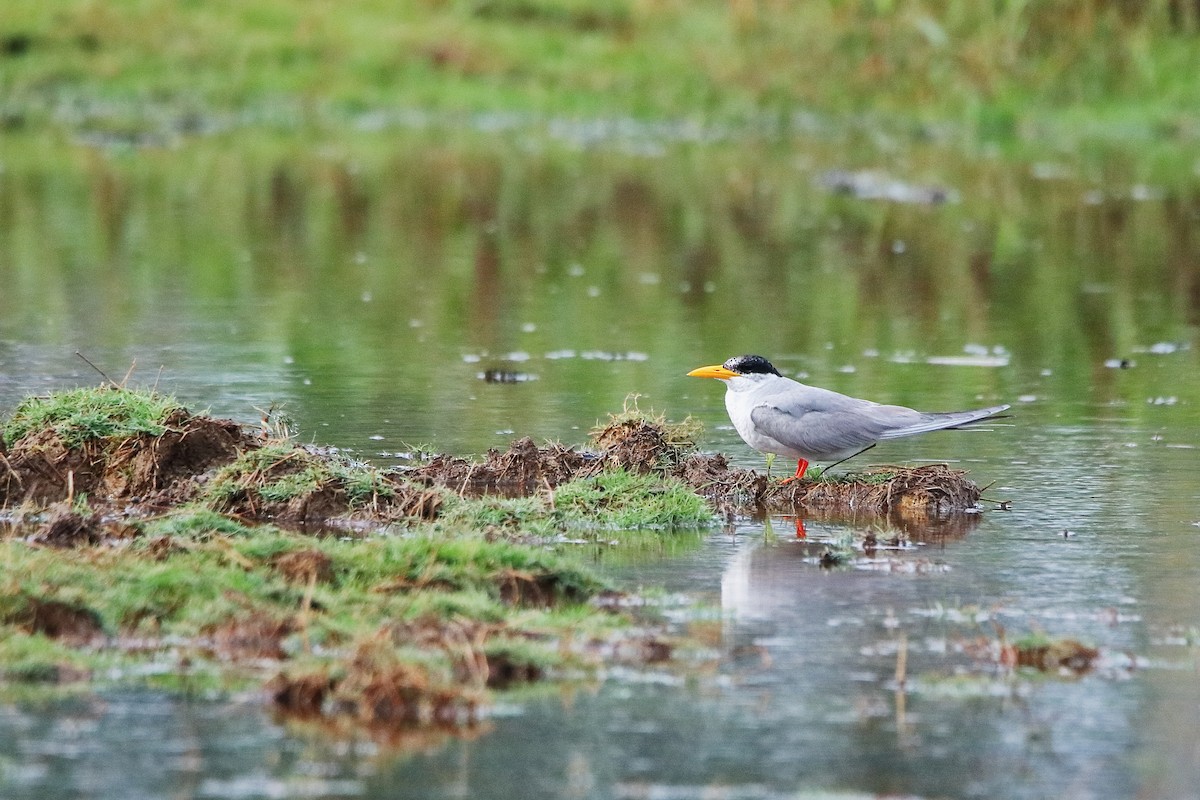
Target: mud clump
[381,689]
[303,694]
[637,445]
[55,619]
[634,444]
[190,446]
[729,490]
[292,484]
[1065,656]
[252,635]
[906,494]
[537,590]
[926,491]
[133,453]
[644,446]
[43,466]
[506,669]
[303,566]
[522,469]
[1053,655]
[67,527]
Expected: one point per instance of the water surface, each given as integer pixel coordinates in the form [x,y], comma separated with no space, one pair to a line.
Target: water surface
[367,286]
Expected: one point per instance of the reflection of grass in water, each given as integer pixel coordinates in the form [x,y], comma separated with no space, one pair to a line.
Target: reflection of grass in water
[634,547]
[844,284]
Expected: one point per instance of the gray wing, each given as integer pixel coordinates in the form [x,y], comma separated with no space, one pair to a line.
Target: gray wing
[830,430]
[940,421]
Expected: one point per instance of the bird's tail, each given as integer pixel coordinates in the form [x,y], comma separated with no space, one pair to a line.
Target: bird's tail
[945,421]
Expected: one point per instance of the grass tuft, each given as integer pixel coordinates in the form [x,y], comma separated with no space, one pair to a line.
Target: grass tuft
[280,472]
[82,415]
[625,500]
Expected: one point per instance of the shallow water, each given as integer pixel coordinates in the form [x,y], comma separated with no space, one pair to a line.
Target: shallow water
[368,302]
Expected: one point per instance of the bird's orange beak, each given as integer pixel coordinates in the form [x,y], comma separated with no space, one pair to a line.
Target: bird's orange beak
[715,371]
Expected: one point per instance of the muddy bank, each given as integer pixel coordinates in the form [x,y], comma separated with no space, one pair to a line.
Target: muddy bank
[145,533]
[195,459]
[171,458]
[907,494]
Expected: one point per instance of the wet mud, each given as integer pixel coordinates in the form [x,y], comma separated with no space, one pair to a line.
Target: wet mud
[906,495]
[236,472]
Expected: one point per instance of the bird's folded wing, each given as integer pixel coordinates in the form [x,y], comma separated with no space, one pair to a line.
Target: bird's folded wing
[935,421]
[818,431]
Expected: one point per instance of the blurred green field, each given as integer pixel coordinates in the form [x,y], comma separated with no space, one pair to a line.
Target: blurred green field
[991,67]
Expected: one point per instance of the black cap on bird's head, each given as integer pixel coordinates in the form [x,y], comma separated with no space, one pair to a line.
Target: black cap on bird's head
[737,367]
[750,365]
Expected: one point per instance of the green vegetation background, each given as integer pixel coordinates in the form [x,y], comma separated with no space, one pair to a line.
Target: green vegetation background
[988,65]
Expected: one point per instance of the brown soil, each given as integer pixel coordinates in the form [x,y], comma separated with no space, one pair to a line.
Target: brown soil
[907,495]
[380,689]
[522,469]
[1060,654]
[42,469]
[303,694]
[56,619]
[142,474]
[302,566]
[251,635]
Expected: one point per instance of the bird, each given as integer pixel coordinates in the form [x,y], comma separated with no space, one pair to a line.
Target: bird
[778,415]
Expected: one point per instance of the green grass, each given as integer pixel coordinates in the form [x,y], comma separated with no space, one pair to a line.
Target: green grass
[622,500]
[281,471]
[614,500]
[90,414]
[38,659]
[192,522]
[989,66]
[209,580]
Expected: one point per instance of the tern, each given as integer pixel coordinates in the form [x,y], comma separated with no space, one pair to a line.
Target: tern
[774,414]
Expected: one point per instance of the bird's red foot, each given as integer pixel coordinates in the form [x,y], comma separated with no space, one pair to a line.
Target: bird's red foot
[801,468]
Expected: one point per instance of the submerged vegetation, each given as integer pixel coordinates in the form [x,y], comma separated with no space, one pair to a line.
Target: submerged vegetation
[184,549]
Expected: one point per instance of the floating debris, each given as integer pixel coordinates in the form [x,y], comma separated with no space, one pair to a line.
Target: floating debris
[1036,651]
[877,185]
[969,361]
[505,376]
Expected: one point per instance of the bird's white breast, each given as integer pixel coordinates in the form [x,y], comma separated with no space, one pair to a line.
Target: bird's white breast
[741,398]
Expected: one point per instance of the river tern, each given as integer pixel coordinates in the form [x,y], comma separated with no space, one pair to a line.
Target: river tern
[774,414]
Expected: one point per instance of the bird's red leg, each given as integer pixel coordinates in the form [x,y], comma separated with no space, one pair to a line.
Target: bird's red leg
[801,468]
[801,532]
